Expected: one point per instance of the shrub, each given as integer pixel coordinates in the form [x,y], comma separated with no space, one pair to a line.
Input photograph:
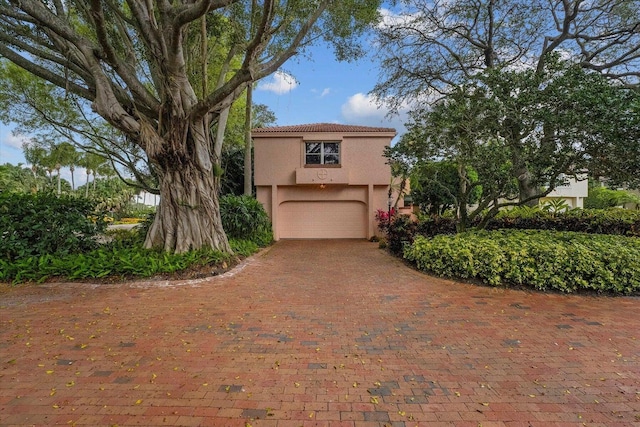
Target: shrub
[244,218]
[383,218]
[597,221]
[400,233]
[545,260]
[122,255]
[32,225]
[602,198]
[136,210]
[243,247]
[434,225]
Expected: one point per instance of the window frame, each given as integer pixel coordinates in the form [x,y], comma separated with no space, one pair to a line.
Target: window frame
[322,154]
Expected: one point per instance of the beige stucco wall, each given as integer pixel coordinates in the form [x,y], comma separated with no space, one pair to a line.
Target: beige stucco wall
[361,156]
[573,193]
[573,188]
[363,176]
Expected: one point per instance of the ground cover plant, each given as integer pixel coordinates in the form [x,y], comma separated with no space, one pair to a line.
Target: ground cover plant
[543,259]
[114,254]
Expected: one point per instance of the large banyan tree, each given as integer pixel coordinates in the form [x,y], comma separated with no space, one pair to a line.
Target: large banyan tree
[134,62]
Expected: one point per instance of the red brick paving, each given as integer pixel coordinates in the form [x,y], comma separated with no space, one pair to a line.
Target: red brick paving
[316,333]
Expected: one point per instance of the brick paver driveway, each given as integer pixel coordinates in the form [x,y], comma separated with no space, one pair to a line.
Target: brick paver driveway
[316,333]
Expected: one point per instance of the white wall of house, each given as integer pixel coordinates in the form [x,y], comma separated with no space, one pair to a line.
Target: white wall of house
[573,193]
[147,199]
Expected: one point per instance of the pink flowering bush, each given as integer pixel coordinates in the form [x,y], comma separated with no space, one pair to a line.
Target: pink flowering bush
[382,217]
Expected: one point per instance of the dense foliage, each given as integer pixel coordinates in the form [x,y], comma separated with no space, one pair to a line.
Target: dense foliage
[546,260]
[435,186]
[549,249]
[400,232]
[597,221]
[522,133]
[616,221]
[32,225]
[243,217]
[18,179]
[602,198]
[45,236]
[106,261]
[122,257]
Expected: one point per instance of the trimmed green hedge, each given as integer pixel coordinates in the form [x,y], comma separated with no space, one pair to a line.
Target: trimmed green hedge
[545,260]
[619,221]
[624,222]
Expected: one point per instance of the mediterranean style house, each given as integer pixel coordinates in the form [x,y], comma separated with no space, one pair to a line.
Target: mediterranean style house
[323,180]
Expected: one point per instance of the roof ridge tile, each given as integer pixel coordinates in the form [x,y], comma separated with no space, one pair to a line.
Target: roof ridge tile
[322,127]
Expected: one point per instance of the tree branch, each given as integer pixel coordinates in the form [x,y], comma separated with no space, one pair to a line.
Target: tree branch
[46,74]
[251,70]
[124,70]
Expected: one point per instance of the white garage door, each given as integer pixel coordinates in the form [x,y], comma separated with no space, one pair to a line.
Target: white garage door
[322,220]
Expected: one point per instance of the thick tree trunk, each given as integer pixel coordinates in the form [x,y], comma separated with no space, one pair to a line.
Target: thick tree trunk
[526,188]
[463,216]
[188,216]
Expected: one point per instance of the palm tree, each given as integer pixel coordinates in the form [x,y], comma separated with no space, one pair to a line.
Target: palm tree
[49,164]
[91,162]
[62,154]
[35,156]
[71,159]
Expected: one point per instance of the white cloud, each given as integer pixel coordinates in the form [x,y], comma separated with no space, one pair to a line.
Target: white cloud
[279,84]
[361,106]
[400,17]
[321,93]
[14,141]
[363,109]
[388,18]
[325,92]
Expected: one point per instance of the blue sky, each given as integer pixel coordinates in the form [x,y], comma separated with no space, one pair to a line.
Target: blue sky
[315,90]
[321,89]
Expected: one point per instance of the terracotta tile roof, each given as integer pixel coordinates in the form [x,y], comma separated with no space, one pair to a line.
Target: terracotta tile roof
[322,127]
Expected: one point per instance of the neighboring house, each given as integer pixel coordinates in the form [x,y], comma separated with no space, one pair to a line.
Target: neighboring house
[322,181]
[147,199]
[573,192]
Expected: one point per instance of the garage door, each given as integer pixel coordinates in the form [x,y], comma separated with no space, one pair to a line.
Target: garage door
[322,220]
